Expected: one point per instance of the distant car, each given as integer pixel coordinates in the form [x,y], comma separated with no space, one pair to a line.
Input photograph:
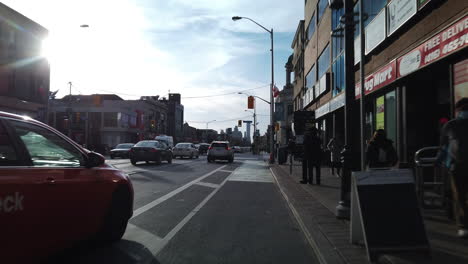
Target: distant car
[121,150]
[203,148]
[237,149]
[169,140]
[150,150]
[54,193]
[185,150]
[220,150]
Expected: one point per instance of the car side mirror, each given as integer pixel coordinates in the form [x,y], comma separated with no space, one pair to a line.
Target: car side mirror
[94,160]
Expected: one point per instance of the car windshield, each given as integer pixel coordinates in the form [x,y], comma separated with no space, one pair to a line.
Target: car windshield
[183,145]
[146,144]
[124,146]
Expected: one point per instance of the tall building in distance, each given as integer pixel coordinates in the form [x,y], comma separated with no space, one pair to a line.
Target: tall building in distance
[175,116]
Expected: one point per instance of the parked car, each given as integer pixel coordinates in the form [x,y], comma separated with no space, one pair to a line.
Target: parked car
[237,149]
[121,150]
[185,150]
[150,150]
[169,140]
[203,148]
[220,150]
[54,193]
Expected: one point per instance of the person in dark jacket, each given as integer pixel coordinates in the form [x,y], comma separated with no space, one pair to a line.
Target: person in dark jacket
[453,154]
[312,157]
[380,151]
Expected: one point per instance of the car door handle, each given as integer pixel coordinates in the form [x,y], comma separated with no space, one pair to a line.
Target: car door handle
[50,180]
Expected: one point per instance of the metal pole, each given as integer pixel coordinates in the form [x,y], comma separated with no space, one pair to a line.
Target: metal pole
[362,78]
[272,156]
[342,210]
[69,110]
[255,124]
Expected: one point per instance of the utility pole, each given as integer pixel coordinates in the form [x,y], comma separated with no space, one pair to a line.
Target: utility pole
[69,110]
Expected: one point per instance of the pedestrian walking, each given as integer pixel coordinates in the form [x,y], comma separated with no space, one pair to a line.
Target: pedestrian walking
[453,154]
[312,157]
[380,151]
[335,146]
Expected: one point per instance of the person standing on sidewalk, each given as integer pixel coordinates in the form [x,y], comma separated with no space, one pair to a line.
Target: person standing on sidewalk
[335,147]
[312,157]
[380,151]
[454,155]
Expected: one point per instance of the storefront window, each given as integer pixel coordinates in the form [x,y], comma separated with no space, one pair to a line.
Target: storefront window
[390,116]
[111,119]
[380,113]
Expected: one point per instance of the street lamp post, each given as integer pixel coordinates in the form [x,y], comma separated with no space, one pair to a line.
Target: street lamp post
[209,122]
[235,18]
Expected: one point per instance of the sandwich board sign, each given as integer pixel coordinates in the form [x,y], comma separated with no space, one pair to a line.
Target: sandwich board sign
[385,213]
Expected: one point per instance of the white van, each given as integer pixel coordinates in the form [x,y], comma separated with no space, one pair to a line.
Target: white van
[167,139]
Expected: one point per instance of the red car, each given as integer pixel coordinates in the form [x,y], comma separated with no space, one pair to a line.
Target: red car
[54,193]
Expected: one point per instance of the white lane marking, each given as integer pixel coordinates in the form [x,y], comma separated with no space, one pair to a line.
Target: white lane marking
[187,218]
[252,174]
[152,242]
[208,184]
[152,204]
[226,171]
[313,244]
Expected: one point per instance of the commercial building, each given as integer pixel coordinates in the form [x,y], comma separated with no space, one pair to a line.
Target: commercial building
[24,73]
[416,68]
[175,117]
[102,121]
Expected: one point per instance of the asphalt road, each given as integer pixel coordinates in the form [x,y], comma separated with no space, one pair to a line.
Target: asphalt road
[192,211]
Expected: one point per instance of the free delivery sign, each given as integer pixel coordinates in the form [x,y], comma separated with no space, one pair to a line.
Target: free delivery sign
[453,38]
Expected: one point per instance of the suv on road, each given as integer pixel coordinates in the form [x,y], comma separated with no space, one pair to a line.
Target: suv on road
[220,150]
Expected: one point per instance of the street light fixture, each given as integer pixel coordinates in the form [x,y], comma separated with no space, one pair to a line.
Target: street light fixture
[209,122]
[235,18]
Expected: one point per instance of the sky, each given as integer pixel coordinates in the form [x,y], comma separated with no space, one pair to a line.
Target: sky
[136,48]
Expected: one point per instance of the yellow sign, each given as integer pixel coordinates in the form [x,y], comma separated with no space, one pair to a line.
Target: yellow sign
[380,113]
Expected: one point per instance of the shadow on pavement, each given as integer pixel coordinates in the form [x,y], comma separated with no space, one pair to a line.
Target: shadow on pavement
[122,252]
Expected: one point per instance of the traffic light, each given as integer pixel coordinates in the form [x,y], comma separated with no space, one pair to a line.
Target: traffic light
[77,116]
[239,123]
[277,126]
[250,102]
[153,123]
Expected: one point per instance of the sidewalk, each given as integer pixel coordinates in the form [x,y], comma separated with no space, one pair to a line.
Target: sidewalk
[315,206]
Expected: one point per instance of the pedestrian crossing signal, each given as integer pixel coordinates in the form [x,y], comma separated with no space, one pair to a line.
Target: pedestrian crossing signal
[239,123]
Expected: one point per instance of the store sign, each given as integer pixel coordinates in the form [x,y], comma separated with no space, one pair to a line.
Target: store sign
[337,102]
[357,49]
[422,3]
[460,80]
[399,11]
[375,32]
[377,80]
[452,39]
[323,110]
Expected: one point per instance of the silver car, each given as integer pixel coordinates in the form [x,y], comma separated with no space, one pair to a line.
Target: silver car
[220,150]
[185,150]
